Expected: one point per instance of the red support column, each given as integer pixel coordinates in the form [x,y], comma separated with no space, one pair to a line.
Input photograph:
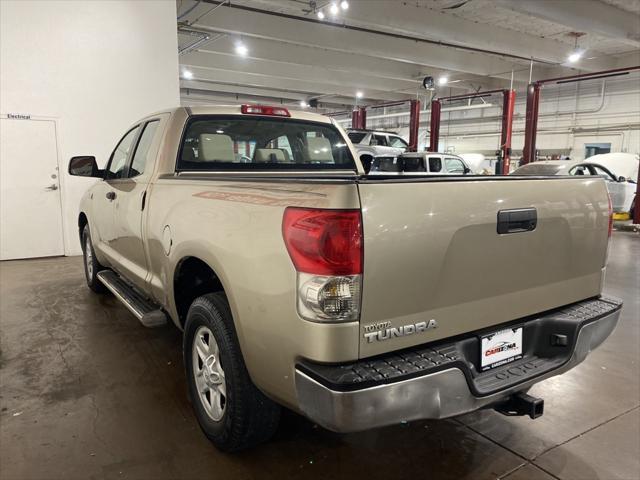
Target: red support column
[509,101]
[434,125]
[359,118]
[414,123]
[531,124]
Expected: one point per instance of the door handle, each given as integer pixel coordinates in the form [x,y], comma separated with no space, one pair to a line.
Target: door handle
[111,195]
[53,186]
[517,220]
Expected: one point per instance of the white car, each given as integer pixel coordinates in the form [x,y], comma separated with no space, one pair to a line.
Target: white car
[621,190]
[419,163]
[374,143]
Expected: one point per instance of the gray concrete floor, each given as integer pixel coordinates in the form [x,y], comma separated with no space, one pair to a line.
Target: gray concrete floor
[87,392]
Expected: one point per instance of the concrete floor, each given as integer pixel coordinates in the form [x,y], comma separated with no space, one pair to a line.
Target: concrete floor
[87,392]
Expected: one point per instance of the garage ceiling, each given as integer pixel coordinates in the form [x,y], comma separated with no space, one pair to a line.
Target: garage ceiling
[385,48]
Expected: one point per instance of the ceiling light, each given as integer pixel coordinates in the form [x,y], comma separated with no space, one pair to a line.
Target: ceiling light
[242,50]
[320,15]
[334,9]
[575,56]
[359,94]
[303,104]
[344,5]
[443,80]
[187,74]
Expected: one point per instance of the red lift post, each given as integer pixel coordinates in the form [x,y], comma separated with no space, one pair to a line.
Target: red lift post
[508,103]
[533,103]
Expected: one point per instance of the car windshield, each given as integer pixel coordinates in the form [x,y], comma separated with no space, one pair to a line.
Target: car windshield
[356,137]
[261,143]
[539,169]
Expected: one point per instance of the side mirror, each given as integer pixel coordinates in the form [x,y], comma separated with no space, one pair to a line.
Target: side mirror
[84,166]
[466,170]
[622,179]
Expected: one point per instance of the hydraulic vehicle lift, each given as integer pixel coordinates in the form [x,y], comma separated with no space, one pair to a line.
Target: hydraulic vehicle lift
[508,102]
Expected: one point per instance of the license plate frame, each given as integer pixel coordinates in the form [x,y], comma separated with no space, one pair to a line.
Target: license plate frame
[501,347]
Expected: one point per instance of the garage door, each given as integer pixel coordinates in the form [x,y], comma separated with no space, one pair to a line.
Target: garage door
[30,207]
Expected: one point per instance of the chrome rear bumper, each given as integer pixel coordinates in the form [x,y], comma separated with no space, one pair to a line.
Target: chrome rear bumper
[442,394]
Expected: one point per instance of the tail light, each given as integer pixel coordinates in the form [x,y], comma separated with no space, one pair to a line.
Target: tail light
[325,247]
[265,110]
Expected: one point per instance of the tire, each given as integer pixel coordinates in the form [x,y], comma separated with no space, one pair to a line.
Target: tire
[235,415]
[91,264]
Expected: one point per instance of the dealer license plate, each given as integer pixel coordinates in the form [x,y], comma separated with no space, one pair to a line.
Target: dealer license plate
[500,347]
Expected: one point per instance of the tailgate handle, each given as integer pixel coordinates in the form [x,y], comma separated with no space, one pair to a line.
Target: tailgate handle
[517,220]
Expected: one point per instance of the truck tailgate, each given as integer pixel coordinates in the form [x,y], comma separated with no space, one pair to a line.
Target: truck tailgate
[432,252]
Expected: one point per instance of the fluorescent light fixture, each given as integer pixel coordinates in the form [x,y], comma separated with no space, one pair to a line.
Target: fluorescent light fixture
[303,104]
[344,5]
[359,94]
[334,9]
[219,132]
[242,50]
[443,80]
[320,15]
[187,74]
[575,56]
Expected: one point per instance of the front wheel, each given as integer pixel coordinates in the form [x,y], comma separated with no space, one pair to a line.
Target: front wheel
[91,264]
[231,411]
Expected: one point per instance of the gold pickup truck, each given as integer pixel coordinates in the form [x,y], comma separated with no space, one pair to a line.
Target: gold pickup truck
[357,301]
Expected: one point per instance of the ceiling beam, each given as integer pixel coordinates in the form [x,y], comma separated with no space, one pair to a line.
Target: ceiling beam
[410,19]
[247,24]
[590,16]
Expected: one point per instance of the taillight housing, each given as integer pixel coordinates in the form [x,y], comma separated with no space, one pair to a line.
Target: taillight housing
[326,249]
[265,110]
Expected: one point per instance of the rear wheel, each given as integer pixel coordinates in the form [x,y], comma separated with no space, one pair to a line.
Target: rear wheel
[231,411]
[91,264]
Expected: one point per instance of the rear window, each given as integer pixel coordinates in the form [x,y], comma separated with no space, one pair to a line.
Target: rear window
[261,143]
[413,164]
[356,137]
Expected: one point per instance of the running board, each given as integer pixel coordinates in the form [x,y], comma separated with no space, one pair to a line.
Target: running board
[145,310]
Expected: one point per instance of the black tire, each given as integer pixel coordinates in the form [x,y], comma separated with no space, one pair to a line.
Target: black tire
[90,273]
[249,417]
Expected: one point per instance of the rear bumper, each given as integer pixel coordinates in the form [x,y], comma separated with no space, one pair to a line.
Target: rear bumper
[331,397]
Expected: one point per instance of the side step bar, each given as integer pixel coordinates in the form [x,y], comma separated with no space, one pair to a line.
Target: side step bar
[146,311]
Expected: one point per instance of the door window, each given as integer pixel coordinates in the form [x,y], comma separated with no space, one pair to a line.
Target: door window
[397,142]
[142,150]
[379,140]
[454,165]
[118,162]
[435,164]
[608,176]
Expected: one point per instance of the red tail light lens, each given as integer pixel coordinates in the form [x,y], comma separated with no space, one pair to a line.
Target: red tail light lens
[324,242]
[610,216]
[265,110]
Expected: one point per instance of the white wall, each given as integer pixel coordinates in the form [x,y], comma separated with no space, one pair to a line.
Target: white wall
[571,115]
[95,67]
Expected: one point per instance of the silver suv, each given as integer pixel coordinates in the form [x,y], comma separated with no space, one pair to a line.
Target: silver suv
[376,143]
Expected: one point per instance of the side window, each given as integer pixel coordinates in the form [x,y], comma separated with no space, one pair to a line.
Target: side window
[397,142]
[142,150]
[454,165]
[435,164]
[413,164]
[380,140]
[604,174]
[118,162]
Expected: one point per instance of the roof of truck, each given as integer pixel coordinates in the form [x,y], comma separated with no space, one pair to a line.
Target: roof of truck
[236,110]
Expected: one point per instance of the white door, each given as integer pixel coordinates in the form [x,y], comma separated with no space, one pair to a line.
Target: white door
[30,207]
